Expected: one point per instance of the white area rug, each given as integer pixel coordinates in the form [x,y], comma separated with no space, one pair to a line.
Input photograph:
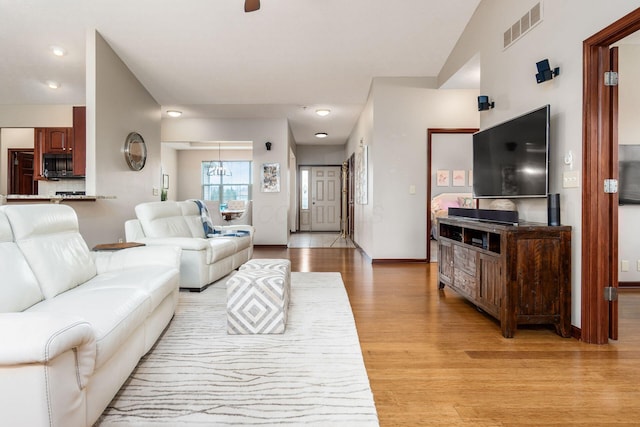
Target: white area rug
[313,374]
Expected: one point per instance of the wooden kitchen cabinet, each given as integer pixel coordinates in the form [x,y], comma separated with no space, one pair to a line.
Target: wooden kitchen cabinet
[79,141]
[57,141]
[519,274]
[62,140]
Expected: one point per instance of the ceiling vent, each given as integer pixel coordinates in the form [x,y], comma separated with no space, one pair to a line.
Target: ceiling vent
[523,25]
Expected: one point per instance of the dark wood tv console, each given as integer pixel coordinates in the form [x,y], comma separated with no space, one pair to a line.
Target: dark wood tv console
[519,274]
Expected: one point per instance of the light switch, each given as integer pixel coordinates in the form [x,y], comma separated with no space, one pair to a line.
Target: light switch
[412,189]
[570,179]
[156,191]
[624,265]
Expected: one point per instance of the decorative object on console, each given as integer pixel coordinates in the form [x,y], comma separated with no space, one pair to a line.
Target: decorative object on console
[545,72]
[553,209]
[484,103]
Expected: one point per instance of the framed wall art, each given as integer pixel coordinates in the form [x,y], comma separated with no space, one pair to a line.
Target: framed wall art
[270,178]
[442,178]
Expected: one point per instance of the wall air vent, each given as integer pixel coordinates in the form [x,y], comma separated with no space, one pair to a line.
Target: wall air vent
[523,25]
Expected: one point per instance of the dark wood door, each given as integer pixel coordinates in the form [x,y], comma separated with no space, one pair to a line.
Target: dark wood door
[21,176]
[600,209]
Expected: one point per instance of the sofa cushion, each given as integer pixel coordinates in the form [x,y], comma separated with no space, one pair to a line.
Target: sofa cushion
[157,281]
[18,288]
[114,314]
[191,214]
[162,219]
[221,247]
[50,241]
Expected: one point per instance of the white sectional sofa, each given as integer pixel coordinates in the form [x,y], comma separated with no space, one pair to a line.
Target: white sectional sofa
[204,259]
[73,323]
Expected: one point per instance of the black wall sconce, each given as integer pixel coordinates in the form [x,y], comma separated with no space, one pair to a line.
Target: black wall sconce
[484,104]
[545,72]
[268,145]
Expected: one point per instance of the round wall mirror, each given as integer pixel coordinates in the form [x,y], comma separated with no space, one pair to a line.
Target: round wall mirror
[135,151]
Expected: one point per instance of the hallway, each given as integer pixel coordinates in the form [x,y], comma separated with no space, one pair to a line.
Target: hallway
[319,240]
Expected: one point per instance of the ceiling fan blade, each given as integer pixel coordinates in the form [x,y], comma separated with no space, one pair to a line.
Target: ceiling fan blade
[251,5]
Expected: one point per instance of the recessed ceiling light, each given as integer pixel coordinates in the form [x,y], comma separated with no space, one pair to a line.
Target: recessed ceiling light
[322,135]
[323,112]
[174,113]
[52,84]
[58,51]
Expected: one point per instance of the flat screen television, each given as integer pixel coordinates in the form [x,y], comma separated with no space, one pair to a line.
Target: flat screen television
[511,159]
[629,169]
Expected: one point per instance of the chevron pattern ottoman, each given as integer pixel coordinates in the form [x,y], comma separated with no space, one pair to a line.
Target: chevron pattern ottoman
[258,297]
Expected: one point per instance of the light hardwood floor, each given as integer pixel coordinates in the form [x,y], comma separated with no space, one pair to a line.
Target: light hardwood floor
[434,360]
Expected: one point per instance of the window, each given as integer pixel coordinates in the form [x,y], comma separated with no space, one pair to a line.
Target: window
[304,185]
[222,188]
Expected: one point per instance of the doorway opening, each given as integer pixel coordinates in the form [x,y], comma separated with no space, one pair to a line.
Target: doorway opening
[599,321]
[20,179]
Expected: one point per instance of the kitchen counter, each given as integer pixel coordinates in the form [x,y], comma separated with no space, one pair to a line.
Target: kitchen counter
[52,199]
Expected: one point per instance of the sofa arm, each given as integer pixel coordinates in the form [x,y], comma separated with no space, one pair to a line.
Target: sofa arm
[184,243]
[40,337]
[242,227]
[137,257]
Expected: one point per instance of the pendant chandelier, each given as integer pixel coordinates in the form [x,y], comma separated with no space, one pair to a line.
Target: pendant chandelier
[218,169]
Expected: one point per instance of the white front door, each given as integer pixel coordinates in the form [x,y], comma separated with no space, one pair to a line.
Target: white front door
[321,211]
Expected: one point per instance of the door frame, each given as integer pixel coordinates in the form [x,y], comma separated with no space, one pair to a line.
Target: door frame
[430,133]
[11,178]
[599,213]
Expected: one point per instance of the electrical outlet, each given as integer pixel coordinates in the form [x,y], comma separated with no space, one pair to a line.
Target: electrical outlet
[624,265]
[570,179]
[638,264]
[412,189]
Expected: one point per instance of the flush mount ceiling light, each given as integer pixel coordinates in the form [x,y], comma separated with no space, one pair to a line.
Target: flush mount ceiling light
[174,113]
[322,135]
[322,112]
[53,84]
[58,51]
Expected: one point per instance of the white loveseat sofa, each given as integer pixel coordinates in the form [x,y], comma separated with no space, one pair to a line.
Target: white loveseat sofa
[204,259]
[73,323]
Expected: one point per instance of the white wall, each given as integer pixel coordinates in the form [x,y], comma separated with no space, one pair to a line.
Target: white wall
[12,138]
[451,151]
[629,133]
[169,158]
[36,116]
[399,112]
[117,104]
[270,210]
[320,155]
[364,220]
[508,77]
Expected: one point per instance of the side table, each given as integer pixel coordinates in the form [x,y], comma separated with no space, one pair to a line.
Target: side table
[116,246]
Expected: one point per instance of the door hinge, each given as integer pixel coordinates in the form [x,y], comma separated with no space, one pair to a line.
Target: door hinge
[611,186]
[611,78]
[610,293]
